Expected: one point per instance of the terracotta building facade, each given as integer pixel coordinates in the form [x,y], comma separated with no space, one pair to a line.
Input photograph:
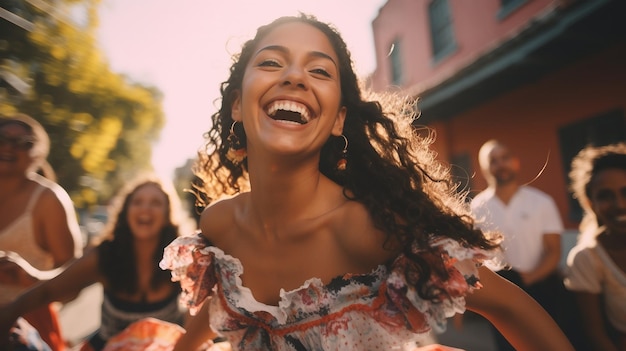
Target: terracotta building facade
[547,77]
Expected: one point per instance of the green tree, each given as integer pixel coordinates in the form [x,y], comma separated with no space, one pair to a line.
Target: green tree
[101,124]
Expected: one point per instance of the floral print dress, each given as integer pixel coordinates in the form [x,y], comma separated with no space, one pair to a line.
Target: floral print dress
[375,311]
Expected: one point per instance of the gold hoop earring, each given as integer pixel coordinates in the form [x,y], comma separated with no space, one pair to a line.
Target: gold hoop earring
[236,151]
[342,163]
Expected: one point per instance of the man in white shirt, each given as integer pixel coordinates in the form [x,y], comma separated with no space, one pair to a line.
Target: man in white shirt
[529,222]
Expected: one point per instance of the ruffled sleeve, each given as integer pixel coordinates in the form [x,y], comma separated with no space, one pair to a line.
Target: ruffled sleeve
[458,264]
[191,263]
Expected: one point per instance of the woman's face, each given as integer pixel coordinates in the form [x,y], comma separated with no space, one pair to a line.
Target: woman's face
[147,211]
[15,144]
[291,92]
[607,196]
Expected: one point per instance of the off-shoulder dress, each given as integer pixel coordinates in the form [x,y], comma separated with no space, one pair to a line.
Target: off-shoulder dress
[380,310]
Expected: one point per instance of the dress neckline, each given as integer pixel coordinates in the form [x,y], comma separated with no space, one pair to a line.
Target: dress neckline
[608,261]
[27,213]
[314,288]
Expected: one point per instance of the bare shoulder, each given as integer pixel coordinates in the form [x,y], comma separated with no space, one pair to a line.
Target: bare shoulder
[53,193]
[358,236]
[56,220]
[54,207]
[218,220]
[49,204]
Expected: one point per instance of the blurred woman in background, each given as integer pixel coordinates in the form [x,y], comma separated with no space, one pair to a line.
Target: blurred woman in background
[596,266]
[125,262]
[39,232]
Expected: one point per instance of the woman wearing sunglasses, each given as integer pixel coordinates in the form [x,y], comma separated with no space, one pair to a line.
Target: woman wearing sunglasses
[39,232]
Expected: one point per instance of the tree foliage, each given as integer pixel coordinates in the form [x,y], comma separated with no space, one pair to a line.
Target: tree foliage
[101,124]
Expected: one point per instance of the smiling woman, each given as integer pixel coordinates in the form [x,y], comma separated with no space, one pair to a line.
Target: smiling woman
[338,230]
[125,262]
[39,233]
[188,58]
[596,266]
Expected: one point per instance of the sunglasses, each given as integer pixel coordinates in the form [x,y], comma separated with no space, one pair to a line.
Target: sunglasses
[21,143]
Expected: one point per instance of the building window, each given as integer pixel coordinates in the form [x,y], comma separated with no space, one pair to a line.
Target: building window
[509,6]
[603,129]
[442,35]
[395,56]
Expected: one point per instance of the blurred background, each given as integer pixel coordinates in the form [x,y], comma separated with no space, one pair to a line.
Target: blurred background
[124,86]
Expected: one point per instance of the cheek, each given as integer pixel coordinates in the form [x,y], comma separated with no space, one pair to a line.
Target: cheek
[600,207]
[162,220]
[332,95]
[253,81]
[130,212]
[515,164]
[162,216]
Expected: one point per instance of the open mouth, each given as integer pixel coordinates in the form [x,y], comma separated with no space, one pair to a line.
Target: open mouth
[289,111]
[144,222]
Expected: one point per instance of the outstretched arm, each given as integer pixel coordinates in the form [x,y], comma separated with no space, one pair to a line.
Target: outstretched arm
[522,321]
[198,331]
[80,274]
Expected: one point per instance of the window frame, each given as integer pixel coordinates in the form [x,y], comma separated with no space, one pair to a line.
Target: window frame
[443,41]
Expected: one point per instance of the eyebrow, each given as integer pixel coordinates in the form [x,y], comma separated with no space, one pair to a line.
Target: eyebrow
[285,50]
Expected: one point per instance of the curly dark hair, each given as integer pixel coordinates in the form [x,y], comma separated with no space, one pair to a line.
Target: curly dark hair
[391,169]
[586,165]
[116,259]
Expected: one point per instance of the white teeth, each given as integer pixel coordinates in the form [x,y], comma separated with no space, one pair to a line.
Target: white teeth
[289,122]
[291,106]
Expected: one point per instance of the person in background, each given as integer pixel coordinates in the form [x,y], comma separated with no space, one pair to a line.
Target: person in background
[531,226]
[39,232]
[125,263]
[331,226]
[596,266]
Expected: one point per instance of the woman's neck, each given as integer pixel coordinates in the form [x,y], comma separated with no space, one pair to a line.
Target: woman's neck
[10,183]
[145,247]
[282,185]
[10,188]
[280,197]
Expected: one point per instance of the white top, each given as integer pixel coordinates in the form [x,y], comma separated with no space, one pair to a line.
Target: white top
[529,215]
[591,269]
[19,237]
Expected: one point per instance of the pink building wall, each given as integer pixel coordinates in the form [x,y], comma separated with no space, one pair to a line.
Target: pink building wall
[527,118]
[476,27]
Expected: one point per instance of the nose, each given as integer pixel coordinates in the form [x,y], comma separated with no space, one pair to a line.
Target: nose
[295,76]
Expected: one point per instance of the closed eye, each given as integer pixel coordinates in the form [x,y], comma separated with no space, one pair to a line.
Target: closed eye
[321,71]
